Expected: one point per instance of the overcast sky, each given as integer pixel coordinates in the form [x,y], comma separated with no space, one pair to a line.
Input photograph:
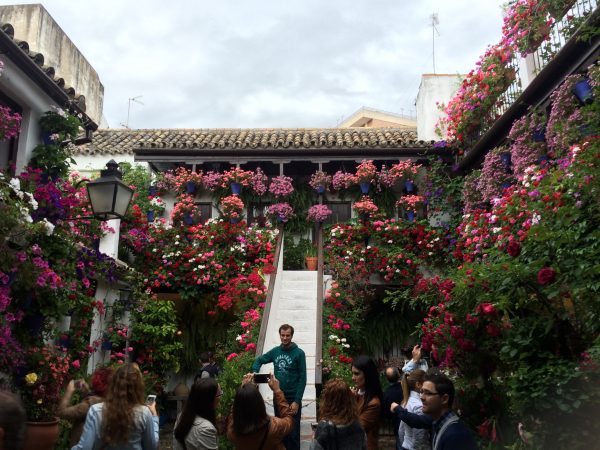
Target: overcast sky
[285,63]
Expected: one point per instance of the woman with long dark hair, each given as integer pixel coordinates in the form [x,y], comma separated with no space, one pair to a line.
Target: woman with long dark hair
[122,421]
[196,426]
[367,391]
[249,427]
[338,427]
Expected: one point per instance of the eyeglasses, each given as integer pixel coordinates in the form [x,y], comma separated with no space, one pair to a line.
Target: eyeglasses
[428,393]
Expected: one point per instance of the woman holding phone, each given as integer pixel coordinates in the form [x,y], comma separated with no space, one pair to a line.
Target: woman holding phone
[76,413]
[367,391]
[249,426]
[122,421]
[195,428]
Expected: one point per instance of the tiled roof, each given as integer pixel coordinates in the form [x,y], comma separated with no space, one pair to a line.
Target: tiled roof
[125,141]
[38,58]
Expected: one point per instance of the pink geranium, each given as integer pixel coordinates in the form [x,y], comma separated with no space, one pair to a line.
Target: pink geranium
[281,186]
[319,213]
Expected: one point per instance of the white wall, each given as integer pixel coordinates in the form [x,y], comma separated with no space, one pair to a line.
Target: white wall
[434,88]
[16,85]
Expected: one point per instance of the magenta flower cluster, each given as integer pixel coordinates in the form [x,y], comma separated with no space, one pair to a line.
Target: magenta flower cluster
[281,186]
[319,213]
[281,211]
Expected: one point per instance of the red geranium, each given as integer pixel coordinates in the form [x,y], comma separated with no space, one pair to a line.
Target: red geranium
[513,249]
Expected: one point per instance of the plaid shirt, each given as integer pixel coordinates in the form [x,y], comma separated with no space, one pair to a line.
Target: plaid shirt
[438,424]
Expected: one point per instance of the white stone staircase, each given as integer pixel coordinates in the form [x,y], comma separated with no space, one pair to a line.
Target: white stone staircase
[295,302]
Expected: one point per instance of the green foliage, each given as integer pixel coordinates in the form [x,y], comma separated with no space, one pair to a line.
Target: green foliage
[60,122]
[443,192]
[54,160]
[301,199]
[293,254]
[155,333]
[139,178]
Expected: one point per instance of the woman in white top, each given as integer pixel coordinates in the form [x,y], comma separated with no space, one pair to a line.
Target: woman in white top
[195,428]
[413,438]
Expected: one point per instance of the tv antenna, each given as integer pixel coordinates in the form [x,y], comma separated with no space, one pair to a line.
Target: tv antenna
[134,100]
[434,22]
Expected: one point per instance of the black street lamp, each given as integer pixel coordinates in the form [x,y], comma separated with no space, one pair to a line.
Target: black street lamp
[126,298]
[109,196]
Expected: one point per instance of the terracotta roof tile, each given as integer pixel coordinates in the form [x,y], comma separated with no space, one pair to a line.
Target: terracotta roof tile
[125,141]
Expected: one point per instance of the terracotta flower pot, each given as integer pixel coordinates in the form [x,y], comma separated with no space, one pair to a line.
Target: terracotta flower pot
[41,435]
[311,262]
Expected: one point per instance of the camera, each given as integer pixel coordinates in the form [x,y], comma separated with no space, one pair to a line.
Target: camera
[261,378]
[150,399]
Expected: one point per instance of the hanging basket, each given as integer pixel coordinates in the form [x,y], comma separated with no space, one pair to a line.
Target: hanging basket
[190,187]
[364,187]
[236,188]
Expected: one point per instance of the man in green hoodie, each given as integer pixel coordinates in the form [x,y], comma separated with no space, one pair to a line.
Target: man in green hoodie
[289,364]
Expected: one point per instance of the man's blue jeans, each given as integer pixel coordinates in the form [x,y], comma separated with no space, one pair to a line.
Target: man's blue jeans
[292,440]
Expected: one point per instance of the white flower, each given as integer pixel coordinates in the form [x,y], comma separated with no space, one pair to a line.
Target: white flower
[343,339]
[346,345]
[49,226]
[338,340]
[15,183]
[32,201]
[332,337]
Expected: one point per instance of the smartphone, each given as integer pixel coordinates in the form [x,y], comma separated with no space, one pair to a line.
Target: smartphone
[150,399]
[314,425]
[261,377]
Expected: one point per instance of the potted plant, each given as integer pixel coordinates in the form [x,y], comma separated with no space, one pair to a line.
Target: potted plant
[319,213]
[311,257]
[232,207]
[366,174]
[281,212]
[320,181]
[365,207]
[281,186]
[59,122]
[45,373]
[409,203]
[235,179]
[342,180]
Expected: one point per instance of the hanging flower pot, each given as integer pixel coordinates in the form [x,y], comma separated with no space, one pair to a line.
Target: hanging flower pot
[505,159]
[190,187]
[106,345]
[152,190]
[583,91]
[539,135]
[410,216]
[364,187]
[320,189]
[236,188]
[543,160]
[41,435]
[281,219]
[46,138]
[409,186]
[188,219]
[234,220]
[505,185]
[150,215]
[64,341]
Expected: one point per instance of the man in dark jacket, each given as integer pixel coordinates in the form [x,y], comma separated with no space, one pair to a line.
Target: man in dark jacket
[393,394]
[289,364]
[448,432]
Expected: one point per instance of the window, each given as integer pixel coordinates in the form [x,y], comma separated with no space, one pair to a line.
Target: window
[341,212]
[205,211]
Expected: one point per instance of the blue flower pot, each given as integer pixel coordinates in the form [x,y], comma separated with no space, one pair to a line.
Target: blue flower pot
[64,342]
[236,188]
[150,215]
[321,189]
[280,219]
[539,135]
[46,138]
[583,91]
[505,185]
[106,345]
[586,130]
[409,187]
[410,216]
[234,220]
[188,219]
[152,190]
[505,159]
[190,187]
[364,187]
[542,160]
